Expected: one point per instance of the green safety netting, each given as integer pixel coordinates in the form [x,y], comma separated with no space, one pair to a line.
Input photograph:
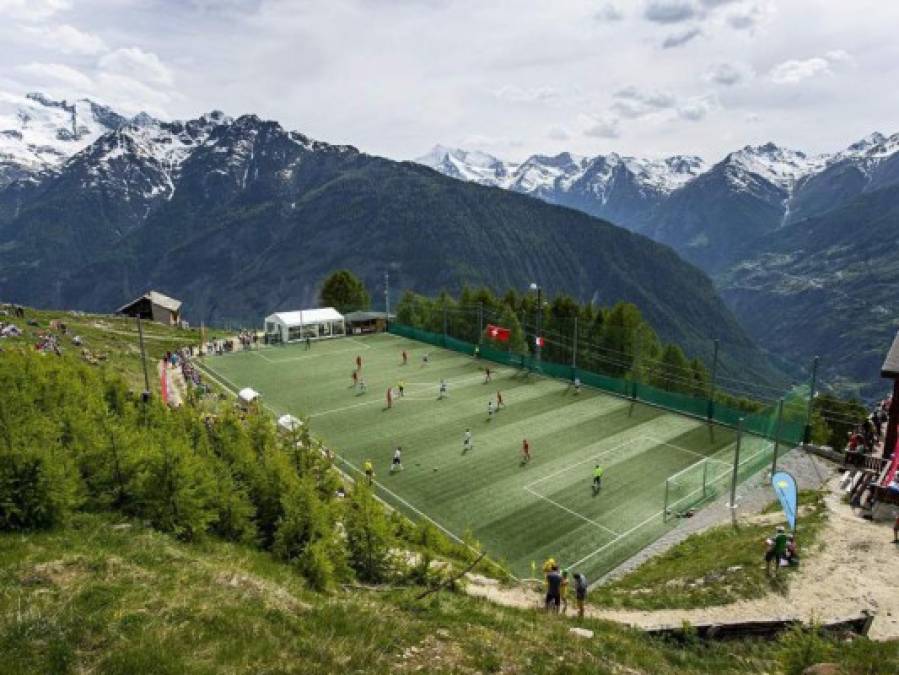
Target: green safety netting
[767,423]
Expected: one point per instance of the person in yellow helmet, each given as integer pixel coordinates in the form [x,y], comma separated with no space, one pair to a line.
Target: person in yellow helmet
[548,565]
[369,470]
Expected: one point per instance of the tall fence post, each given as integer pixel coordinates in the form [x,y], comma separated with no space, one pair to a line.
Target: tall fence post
[807,436]
[665,513]
[574,348]
[733,480]
[705,477]
[777,430]
[711,411]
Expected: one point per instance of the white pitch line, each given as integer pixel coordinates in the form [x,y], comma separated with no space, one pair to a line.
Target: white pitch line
[617,539]
[440,527]
[573,513]
[584,461]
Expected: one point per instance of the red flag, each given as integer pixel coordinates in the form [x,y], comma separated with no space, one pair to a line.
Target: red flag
[539,341]
[498,333]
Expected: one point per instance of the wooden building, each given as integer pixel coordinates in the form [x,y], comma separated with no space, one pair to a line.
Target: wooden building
[154,306]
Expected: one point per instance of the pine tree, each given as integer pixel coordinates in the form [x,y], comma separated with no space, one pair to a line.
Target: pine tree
[369,536]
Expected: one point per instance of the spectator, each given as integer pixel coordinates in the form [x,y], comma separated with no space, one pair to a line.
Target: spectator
[580,590]
[777,548]
[792,553]
[553,590]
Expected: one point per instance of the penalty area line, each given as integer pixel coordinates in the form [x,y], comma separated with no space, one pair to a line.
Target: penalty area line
[573,513]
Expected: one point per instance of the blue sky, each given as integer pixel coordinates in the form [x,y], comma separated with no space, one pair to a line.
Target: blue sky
[641,77]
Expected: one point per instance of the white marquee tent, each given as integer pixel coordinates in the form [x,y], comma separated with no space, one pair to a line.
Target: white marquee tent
[323,322]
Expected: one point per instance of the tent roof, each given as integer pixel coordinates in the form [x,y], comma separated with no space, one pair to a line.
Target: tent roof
[366,316]
[157,299]
[306,316]
[890,366]
[289,422]
[247,394]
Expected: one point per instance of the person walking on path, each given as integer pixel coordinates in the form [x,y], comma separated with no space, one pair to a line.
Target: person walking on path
[369,470]
[580,593]
[553,590]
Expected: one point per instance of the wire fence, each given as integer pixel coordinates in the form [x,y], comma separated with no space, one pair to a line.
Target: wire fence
[783,418]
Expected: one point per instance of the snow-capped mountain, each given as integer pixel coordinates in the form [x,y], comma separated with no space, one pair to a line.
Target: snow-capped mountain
[623,189]
[707,212]
[39,134]
[544,173]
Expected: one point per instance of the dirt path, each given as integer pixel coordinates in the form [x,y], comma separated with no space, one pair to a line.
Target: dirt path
[856,570]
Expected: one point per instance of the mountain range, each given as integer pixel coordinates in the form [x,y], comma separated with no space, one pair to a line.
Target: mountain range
[239,217]
[799,245]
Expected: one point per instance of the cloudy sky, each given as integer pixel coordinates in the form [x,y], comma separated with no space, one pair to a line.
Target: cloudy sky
[394,77]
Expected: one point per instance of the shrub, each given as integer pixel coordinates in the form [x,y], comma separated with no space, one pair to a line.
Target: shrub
[39,488]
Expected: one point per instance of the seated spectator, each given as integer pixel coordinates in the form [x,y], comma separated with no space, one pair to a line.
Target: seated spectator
[792,553]
[894,485]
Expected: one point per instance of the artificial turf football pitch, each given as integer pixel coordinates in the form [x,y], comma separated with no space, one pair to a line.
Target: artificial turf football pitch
[521,513]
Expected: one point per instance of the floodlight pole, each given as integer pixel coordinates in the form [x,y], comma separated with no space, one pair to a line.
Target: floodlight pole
[733,480]
[777,427]
[537,323]
[143,359]
[807,436]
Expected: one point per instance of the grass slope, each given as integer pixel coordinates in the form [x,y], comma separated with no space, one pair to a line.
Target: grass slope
[521,513]
[108,596]
[113,340]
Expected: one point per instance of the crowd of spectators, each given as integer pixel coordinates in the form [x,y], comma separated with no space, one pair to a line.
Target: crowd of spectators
[867,436]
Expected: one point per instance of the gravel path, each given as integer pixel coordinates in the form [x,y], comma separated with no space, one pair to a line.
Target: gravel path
[755,494]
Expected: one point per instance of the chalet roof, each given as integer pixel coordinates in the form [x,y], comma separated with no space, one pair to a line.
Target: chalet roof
[156,298]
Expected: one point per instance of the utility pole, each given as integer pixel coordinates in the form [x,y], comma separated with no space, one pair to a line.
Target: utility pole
[143,359]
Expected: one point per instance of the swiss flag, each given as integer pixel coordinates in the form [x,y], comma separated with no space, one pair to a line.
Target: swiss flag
[539,341]
[498,333]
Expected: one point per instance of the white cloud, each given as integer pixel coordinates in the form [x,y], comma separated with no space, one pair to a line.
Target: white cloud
[697,107]
[609,12]
[794,71]
[681,38]
[599,126]
[135,63]
[516,94]
[729,74]
[129,97]
[66,39]
[32,10]
[55,74]
[747,17]
[558,133]
[669,11]
[633,102]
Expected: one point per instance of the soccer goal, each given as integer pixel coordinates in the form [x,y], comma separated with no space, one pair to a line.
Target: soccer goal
[695,485]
